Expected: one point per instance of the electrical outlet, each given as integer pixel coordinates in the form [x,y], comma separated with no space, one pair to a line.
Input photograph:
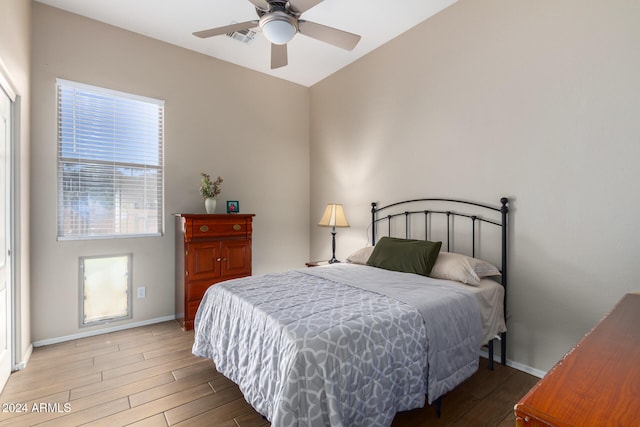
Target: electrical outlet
[142,292]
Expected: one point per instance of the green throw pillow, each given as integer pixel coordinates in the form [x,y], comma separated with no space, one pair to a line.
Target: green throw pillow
[409,256]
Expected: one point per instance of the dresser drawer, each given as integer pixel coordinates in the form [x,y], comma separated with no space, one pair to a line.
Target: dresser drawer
[230,227]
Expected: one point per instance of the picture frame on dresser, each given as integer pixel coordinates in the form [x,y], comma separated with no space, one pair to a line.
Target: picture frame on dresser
[233,207]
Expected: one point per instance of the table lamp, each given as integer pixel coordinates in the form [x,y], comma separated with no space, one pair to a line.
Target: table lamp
[333,217]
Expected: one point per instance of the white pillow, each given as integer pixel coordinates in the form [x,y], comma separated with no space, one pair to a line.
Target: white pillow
[483,268]
[360,256]
[461,268]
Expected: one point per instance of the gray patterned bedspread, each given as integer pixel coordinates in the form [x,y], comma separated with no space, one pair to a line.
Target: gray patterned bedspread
[343,345]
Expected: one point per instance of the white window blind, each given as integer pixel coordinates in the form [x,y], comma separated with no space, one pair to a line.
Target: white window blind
[110,163]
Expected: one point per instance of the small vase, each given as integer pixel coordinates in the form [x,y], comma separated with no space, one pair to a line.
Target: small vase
[210,205]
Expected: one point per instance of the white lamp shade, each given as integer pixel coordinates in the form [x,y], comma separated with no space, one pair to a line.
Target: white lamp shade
[333,216]
[278,28]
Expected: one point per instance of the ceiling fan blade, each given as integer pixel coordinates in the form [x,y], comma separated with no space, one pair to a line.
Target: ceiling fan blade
[226,29]
[300,6]
[261,4]
[278,55]
[329,35]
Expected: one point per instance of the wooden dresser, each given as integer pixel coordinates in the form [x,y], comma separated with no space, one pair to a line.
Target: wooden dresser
[595,384]
[209,249]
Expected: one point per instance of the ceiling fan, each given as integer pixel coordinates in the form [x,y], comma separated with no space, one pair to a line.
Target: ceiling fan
[280,21]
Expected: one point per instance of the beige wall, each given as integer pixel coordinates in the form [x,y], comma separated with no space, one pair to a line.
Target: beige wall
[534,100]
[249,128]
[15,61]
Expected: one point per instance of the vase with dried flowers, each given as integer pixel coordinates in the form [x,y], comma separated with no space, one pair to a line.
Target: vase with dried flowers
[209,190]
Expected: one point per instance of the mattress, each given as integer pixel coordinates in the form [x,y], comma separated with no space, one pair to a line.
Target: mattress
[490,297]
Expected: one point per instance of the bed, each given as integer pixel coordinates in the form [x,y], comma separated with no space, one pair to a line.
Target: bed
[352,344]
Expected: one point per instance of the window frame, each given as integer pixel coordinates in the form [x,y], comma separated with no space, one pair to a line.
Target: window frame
[60,162]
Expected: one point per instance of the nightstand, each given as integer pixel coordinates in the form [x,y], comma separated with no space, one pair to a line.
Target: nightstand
[316,263]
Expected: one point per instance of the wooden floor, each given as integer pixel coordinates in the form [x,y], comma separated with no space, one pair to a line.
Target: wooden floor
[147,376]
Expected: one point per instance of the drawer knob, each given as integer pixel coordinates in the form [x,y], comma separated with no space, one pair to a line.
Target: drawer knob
[237,227]
[204,228]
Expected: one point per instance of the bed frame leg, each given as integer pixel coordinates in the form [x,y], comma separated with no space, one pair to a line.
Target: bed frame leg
[503,348]
[439,407]
[490,345]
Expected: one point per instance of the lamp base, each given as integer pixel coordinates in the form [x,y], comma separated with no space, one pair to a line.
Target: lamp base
[333,259]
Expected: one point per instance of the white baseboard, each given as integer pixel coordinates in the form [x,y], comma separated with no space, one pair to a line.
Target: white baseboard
[102,331]
[25,359]
[515,365]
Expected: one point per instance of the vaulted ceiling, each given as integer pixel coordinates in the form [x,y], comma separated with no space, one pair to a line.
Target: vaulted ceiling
[309,60]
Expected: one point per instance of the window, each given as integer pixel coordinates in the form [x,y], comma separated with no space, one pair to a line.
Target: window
[105,292]
[110,163]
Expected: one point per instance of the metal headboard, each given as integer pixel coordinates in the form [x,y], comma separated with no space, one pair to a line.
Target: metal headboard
[482,214]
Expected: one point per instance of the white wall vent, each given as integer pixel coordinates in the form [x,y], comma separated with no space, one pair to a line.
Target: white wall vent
[244,36]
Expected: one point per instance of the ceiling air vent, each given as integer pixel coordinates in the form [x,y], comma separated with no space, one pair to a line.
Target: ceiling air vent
[244,36]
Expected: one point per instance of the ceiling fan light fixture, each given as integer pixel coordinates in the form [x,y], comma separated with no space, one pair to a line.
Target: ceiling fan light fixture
[278,27]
